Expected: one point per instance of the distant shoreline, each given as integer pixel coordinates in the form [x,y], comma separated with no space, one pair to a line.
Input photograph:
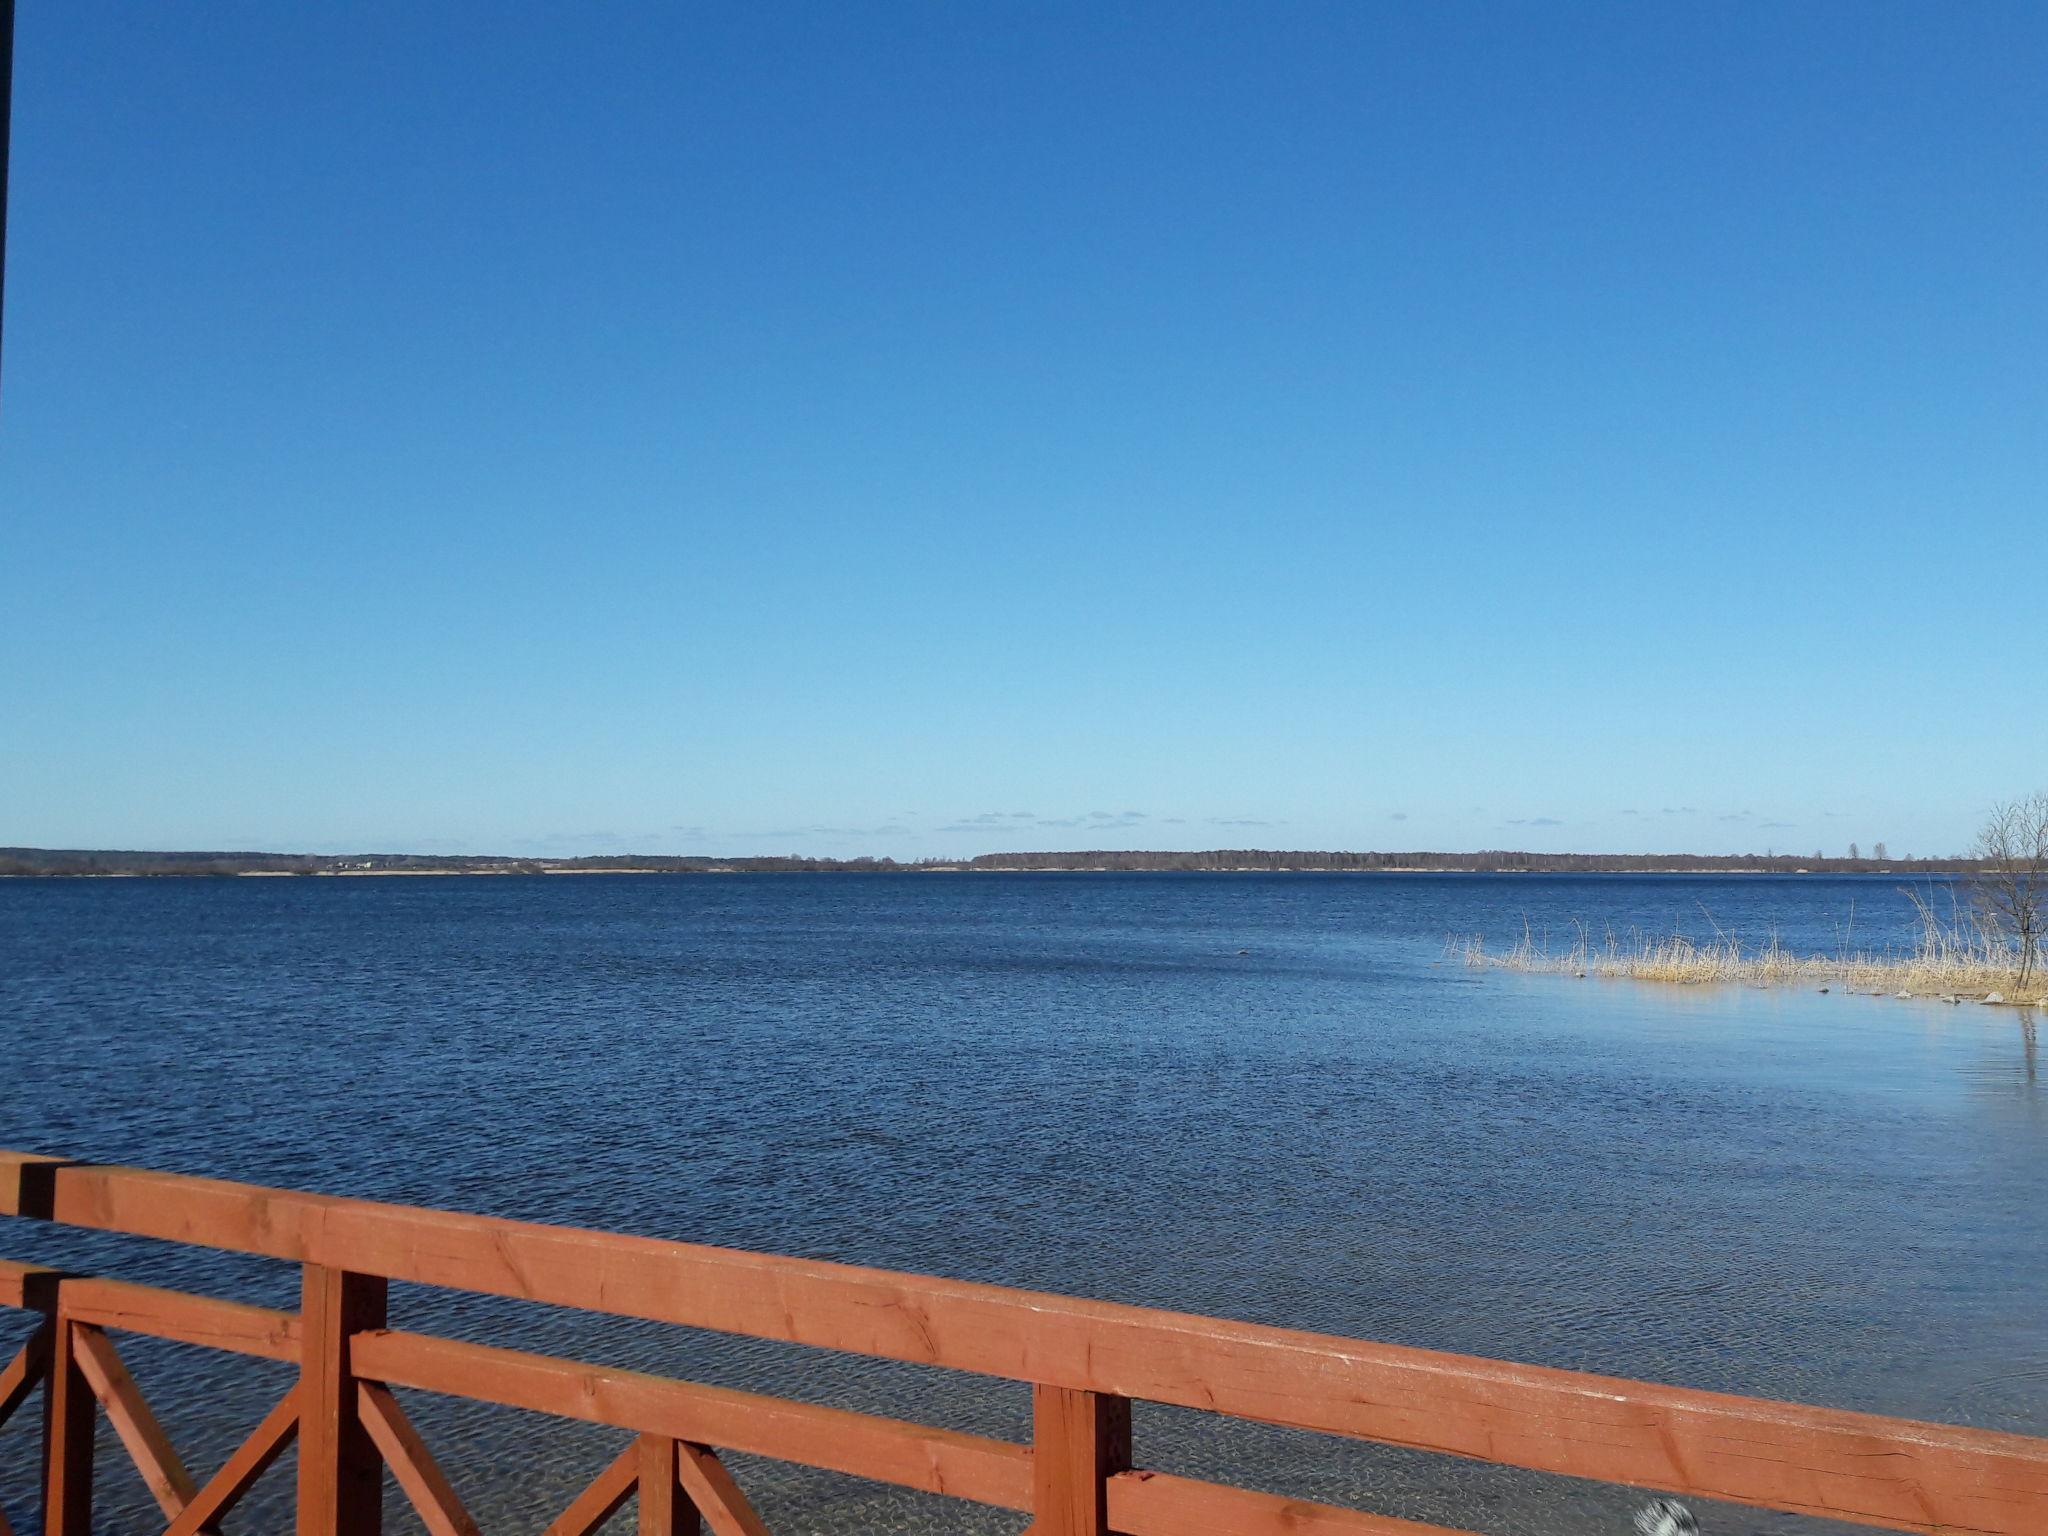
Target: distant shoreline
[909,872]
[132,864]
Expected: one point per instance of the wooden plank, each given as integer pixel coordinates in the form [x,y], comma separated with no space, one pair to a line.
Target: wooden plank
[26,1184]
[887,1450]
[129,1413]
[720,1503]
[1906,1476]
[250,1461]
[67,1438]
[1158,1504]
[24,1371]
[419,1474]
[27,1287]
[1079,1441]
[180,1316]
[663,1509]
[341,1476]
[128,1308]
[605,1496]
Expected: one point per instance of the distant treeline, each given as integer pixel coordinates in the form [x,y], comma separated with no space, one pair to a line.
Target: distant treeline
[48,861]
[64,861]
[1490,861]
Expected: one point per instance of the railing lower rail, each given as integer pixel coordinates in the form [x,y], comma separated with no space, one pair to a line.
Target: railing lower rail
[1085,1361]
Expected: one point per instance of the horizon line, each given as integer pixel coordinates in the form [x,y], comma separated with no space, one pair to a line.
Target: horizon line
[1768,856]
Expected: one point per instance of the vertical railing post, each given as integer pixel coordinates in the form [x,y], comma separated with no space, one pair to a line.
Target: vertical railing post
[341,1476]
[68,1422]
[1079,1441]
[663,1509]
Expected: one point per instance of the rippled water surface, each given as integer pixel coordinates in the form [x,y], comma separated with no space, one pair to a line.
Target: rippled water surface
[1266,1097]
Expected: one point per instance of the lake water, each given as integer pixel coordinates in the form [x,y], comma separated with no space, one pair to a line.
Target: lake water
[1265,1097]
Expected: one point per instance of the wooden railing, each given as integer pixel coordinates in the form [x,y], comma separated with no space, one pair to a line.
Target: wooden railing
[1085,1361]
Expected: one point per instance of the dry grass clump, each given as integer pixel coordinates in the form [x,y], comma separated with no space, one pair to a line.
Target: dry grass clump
[1953,958]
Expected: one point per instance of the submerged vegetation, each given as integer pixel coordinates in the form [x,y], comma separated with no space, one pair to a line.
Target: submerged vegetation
[1958,956]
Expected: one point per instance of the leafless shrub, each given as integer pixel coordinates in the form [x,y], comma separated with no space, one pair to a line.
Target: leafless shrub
[2011,886]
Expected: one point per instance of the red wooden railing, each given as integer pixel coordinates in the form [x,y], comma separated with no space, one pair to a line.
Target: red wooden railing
[1084,1361]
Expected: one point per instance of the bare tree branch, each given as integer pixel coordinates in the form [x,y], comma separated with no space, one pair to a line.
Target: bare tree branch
[2011,887]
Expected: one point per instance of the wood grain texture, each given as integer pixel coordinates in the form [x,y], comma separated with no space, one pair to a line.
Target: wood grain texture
[720,1503]
[605,1496]
[439,1506]
[663,1509]
[1079,1441]
[128,1411]
[887,1450]
[341,1475]
[1891,1473]
[124,1307]
[250,1460]
[67,1438]
[27,1287]
[1157,1504]
[178,1315]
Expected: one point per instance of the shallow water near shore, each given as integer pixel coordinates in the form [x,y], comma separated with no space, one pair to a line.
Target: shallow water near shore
[1265,1097]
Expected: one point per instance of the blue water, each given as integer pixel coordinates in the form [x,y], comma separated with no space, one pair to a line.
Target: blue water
[1268,1097]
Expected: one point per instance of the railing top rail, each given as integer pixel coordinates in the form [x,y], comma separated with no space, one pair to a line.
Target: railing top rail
[1908,1475]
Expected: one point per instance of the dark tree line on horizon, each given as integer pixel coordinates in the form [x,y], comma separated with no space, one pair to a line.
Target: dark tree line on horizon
[1487,861]
[86,862]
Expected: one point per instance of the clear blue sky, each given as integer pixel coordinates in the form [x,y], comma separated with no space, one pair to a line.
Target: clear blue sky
[941,428]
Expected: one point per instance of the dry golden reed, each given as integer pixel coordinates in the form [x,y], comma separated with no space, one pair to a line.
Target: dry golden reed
[1954,958]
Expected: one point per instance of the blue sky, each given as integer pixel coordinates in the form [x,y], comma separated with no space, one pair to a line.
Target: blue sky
[935,429]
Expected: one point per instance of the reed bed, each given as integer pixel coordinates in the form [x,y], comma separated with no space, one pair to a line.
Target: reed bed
[1954,959]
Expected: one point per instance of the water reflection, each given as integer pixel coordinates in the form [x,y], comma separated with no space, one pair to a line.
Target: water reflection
[2004,1074]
